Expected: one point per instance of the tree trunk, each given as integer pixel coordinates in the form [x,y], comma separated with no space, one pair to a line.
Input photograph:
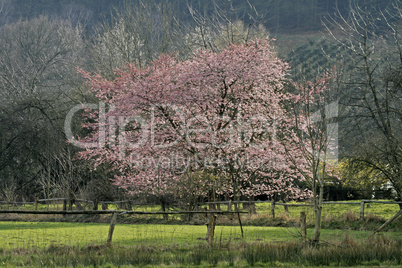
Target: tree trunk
[163,208]
[71,200]
[211,206]
[318,214]
[303,225]
[251,208]
[111,228]
[95,207]
[70,204]
[191,207]
[285,207]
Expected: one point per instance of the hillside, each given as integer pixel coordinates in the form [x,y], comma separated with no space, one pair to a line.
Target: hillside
[278,16]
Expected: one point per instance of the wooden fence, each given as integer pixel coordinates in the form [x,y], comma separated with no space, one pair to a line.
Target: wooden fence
[287,205]
[210,222]
[127,204]
[211,214]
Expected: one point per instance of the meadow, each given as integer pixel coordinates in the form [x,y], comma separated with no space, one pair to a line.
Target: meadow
[335,212]
[137,241]
[40,235]
[39,244]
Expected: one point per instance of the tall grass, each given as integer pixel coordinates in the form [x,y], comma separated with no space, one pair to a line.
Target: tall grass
[380,250]
[348,252]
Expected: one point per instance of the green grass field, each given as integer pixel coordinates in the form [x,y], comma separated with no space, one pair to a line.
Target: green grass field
[335,211]
[38,244]
[34,242]
[45,234]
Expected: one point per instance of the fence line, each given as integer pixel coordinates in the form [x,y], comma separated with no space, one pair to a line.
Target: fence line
[229,203]
[286,205]
[209,214]
[210,223]
[122,212]
[202,203]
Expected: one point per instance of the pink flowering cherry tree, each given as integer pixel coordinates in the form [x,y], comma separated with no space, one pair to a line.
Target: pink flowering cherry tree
[215,114]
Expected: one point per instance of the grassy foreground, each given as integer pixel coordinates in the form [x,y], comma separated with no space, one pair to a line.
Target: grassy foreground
[52,244]
[349,252]
[80,241]
[39,235]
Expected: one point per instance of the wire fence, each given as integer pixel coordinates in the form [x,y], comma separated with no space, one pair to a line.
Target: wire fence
[346,210]
[45,223]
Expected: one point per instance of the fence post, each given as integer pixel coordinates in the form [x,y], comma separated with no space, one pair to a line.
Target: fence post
[64,205]
[273,209]
[211,229]
[36,203]
[95,205]
[111,228]
[362,210]
[250,206]
[241,226]
[230,205]
[303,225]
[129,207]
[286,209]
[70,203]
[211,205]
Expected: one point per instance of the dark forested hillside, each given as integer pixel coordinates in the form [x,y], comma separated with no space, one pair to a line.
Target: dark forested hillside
[277,15]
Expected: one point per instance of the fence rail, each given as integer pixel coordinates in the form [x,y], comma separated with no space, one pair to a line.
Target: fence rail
[96,212]
[286,205]
[210,215]
[210,223]
[228,203]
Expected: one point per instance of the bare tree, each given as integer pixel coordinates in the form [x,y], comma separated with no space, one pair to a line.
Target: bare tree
[136,34]
[215,31]
[371,79]
[37,81]
[315,138]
